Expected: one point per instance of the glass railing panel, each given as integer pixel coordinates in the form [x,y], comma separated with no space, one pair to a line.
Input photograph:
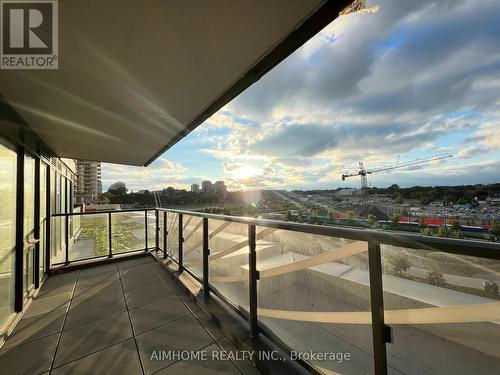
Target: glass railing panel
[7,272]
[314,296]
[444,310]
[161,232]
[173,235]
[193,244]
[90,236]
[151,229]
[57,246]
[128,231]
[228,260]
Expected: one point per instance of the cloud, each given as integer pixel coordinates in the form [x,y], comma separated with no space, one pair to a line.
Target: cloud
[414,79]
[161,174]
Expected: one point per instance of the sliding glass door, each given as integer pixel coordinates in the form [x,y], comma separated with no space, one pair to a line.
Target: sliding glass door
[29,225]
[8,170]
[43,218]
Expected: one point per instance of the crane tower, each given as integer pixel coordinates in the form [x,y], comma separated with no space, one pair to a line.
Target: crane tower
[363,172]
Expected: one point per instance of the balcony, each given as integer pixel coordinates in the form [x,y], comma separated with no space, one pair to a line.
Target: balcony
[112,319]
[323,299]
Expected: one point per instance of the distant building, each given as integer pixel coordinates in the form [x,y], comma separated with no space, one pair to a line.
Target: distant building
[346,192]
[220,187]
[117,186]
[195,188]
[207,187]
[88,185]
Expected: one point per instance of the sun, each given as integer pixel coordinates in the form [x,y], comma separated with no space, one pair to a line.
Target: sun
[245,172]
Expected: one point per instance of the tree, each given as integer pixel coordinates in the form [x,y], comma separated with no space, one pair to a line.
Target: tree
[331,216]
[421,223]
[490,289]
[371,219]
[455,225]
[289,215]
[399,263]
[441,232]
[434,276]
[495,228]
[394,220]
[350,214]
[399,200]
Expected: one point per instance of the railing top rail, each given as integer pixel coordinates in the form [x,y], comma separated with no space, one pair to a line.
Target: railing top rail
[104,212]
[474,248]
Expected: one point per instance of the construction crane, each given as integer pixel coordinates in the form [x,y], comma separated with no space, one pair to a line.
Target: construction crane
[363,172]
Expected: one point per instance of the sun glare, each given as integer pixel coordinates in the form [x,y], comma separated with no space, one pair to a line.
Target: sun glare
[245,172]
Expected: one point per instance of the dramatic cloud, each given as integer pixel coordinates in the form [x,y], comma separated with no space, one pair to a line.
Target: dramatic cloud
[414,79]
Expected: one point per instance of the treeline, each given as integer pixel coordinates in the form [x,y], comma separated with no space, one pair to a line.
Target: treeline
[176,197]
[461,194]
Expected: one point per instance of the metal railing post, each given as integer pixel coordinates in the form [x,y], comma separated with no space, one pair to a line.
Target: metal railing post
[181,240]
[66,225]
[146,230]
[206,253]
[253,276]
[165,234]
[110,236]
[157,232]
[381,332]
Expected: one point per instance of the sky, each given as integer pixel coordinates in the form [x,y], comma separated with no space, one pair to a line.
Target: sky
[415,79]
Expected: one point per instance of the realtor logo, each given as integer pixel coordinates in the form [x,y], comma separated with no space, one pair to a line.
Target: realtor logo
[29,37]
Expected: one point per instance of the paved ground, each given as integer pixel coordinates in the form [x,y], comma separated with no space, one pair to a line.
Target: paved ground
[120,318]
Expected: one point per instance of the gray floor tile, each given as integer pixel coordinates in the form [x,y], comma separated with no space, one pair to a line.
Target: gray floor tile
[31,358]
[147,276]
[213,365]
[148,294]
[157,313]
[45,305]
[35,327]
[245,366]
[91,311]
[209,325]
[119,359]
[105,268]
[125,264]
[106,291]
[81,341]
[182,334]
[58,284]
[188,301]
[96,279]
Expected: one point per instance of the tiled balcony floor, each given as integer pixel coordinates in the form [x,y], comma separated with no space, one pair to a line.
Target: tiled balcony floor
[115,319]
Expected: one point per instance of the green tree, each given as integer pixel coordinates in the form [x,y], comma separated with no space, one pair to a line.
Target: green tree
[495,228]
[394,220]
[371,219]
[441,232]
[289,215]
[455,225]
[421,223]
[350,214]
[331,216]
[399,200]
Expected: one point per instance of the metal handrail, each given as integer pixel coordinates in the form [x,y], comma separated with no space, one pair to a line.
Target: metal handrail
[459,246]
[374,238]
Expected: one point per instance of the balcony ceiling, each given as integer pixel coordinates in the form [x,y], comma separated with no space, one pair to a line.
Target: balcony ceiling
[135,77]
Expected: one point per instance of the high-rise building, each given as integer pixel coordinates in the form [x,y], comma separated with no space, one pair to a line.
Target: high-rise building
[206,186]
[195,188]
[88,185]
[220,187]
